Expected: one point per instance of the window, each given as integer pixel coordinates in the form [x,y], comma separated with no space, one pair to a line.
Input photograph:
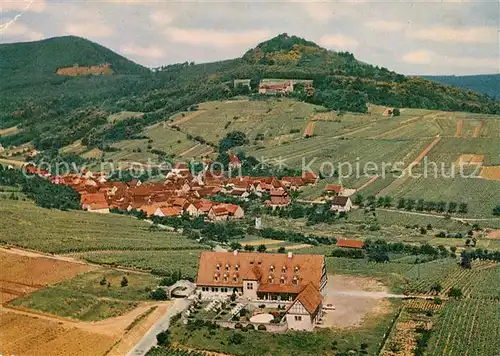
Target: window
[227,267]
[295,280]
[213,289]
[298,318]
[249,285]
[282,280]
[283,269]
[237,267]
[271,268]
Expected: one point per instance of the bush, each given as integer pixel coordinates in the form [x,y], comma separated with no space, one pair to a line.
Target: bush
[159,294]
[261,327]
[235,339]
[163,338]
[238,326]
[124,281]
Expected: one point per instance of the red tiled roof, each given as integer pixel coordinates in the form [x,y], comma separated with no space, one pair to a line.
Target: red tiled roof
[345,243]
[310,298]
[310,270]
[333,188]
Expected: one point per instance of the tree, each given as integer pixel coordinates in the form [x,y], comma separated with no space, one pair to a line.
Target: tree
[455,292]
[282,249]
[496,210]
[463,208]
[124,281]
[396,112]
[235,246]
[358,199]
[262,248]
[235,339]
[401,203]
[103,281]
[249,248]
[452,207]
[159,294]
[465,261]
[436,288]
[163,338]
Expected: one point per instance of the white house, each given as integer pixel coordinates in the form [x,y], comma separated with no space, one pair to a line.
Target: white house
[341,204]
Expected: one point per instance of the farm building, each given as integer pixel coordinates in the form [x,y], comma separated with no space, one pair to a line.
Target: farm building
[297,281]
[346,243]
[341,204]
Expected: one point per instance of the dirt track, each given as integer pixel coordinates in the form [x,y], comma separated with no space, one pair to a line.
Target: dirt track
[477,130]
[459,128]
[185,119]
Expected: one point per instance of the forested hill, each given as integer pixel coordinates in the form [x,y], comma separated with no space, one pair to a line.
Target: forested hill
[52,111]
[42,59]
[488,84]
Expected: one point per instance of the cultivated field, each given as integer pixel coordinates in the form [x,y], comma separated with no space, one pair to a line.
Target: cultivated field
[29,226]
[29,335]
[24,273]
[468,327]
[85,298]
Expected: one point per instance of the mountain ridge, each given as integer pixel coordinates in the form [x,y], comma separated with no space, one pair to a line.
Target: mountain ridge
[52,111]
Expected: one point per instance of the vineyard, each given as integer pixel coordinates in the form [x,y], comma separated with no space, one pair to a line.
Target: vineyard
[481,280]
[468,327]
[25,225]
[156,262]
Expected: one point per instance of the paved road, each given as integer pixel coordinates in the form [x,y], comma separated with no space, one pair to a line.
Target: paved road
[149,339]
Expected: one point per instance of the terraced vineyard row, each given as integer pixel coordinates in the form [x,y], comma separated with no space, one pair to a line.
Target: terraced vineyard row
[480,281]
[467,328]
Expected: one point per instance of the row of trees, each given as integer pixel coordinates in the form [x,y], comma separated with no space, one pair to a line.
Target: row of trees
[410,204]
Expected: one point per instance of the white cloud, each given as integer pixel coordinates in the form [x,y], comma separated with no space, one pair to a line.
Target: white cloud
[161,18]
[20,31]
[385,26]
[458,35]
[443,61]
[339,42]
[89,29]
[22,5]
[147,52]
[418,57]
[215,38]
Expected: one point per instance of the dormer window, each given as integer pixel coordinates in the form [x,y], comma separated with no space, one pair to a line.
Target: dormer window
[283,269]
[225,278]
[282,280]
[295,280]
[218,267]
[237,267]
[271,268]
[235,278]
[297,269]
[227,267]
[216,277]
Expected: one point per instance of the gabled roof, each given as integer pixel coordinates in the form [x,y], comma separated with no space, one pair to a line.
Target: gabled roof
[333,188]
[345,243]
[339,200]
[171,211]
[310,298]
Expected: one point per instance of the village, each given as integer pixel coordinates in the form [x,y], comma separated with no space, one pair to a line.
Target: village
[184,193]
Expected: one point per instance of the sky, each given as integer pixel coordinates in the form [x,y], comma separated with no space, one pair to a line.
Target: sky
[435,37]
